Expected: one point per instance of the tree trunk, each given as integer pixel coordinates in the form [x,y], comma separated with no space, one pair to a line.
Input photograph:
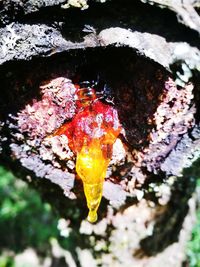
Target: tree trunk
[145,58]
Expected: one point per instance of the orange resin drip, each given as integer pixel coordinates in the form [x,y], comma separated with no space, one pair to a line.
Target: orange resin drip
[91,134]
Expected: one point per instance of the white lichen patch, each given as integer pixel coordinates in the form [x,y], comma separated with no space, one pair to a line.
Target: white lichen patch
[174,110]
[119,152]
[63,227]
[34,124]
[10,40]
[59,147]
[162,191]
[173,118]
[114,193]
[44,116]
[129,228]
[82,4]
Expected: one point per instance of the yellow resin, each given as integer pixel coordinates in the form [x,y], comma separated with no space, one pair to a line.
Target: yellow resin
[91,166]
[93,154]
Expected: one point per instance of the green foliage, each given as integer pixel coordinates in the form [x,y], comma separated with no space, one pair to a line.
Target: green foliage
[6,261]
[24,220]
[23,216]
[194,245]
[27,222]
[193,251]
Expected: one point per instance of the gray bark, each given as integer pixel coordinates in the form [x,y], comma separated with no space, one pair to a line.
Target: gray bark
[152,69]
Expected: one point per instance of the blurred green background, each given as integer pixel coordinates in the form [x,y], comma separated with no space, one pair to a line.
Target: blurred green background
[30,229]
[193,251]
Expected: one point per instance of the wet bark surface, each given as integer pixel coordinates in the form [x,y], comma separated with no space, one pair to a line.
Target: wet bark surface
[146,65]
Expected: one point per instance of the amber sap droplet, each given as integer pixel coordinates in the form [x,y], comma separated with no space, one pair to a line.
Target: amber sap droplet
[93,154]
[91,166]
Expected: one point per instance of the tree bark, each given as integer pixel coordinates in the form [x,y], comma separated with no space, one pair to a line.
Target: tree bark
[148,64]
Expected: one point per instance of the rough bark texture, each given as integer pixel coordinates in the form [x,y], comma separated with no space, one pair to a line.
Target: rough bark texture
[150,63]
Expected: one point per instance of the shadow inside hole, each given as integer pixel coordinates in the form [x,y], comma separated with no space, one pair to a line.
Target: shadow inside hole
[135,83]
